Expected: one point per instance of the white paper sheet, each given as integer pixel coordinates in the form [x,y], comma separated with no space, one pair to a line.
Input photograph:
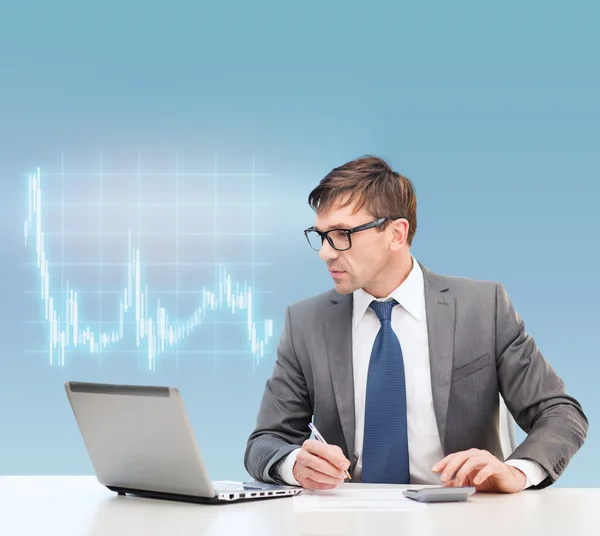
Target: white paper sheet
[384,499]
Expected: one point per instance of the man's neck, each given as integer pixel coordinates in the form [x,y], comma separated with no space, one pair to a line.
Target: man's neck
[393,277]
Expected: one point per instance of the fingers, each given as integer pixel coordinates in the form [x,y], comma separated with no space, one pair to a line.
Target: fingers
[332,453]
[314,485]
[318,469]
[321,466]
[483,475]
[482,469]
[452,465]
[439,466]
[471,466]
[306,473]
[318,466]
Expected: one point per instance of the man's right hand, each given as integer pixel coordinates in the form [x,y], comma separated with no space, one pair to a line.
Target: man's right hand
[320,466]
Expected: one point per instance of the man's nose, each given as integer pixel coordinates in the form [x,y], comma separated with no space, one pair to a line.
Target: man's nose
[326,252]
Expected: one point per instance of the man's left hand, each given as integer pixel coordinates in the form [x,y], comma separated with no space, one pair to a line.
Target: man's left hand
[481,469]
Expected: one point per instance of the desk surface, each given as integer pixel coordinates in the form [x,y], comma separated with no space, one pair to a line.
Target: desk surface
[58,505]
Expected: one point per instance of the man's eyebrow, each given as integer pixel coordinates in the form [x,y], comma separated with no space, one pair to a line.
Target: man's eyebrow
[336,226]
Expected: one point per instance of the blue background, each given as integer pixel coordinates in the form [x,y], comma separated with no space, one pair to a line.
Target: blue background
[491,111]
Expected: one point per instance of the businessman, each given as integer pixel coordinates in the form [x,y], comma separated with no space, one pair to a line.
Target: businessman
[400,368]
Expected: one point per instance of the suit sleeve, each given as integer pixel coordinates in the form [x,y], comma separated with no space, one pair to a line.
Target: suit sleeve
[555,423]
[284,414]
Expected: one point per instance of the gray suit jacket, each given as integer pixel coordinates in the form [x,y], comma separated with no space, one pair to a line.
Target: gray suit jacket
[478,348]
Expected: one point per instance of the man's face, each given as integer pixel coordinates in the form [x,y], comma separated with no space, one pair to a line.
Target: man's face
[359,266]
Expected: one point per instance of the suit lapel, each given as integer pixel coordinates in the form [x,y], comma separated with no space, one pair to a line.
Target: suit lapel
[338,340]
[440,311]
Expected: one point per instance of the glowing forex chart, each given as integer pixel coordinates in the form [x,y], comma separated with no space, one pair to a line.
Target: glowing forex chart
[131,311]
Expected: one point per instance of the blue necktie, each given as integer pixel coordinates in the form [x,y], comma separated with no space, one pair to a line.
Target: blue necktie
[385,447]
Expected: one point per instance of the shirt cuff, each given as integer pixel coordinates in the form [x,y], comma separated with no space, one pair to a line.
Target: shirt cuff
[285,468]
[533,471]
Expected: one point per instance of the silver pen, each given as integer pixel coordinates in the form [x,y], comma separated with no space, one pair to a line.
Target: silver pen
[322,440]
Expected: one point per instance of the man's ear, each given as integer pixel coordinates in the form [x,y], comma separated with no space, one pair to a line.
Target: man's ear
[399,229]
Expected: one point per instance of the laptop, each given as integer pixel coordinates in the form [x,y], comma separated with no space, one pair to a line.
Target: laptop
[140,442]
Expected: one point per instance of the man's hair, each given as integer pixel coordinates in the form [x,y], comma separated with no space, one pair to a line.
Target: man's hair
[371,183]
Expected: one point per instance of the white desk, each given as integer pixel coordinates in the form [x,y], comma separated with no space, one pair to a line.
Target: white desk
[48,506]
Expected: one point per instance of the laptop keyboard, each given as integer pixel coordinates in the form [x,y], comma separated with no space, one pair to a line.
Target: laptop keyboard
[227,485]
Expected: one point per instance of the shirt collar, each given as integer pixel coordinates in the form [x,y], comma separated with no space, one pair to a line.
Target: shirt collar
[410,295]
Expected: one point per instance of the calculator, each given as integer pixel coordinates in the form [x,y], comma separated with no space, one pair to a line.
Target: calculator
[439,494]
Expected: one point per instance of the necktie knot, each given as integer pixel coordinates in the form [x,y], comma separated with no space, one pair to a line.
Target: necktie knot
[383,309]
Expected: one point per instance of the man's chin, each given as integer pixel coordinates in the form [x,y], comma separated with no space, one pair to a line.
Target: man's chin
[343,289]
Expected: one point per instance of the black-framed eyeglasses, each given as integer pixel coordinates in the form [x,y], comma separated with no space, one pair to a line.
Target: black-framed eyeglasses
[339,239]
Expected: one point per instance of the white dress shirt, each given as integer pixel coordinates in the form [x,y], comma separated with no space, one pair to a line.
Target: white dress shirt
[409,322]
